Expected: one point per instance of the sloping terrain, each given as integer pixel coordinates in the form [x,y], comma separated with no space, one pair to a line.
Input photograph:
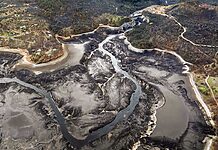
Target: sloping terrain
[69,83]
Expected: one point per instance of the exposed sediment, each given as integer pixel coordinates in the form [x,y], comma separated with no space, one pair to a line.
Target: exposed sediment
[107,94]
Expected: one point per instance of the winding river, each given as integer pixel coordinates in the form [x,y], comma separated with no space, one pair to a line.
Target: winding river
[121,115]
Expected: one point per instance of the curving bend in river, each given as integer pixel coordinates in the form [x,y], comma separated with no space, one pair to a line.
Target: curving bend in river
[118,95]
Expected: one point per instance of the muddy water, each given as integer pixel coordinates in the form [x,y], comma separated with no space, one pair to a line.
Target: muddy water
[72,55]
[59,117]
[123,114]
[173,114]
[172,117]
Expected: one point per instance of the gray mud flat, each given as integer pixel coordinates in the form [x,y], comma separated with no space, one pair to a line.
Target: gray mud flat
[116,95]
